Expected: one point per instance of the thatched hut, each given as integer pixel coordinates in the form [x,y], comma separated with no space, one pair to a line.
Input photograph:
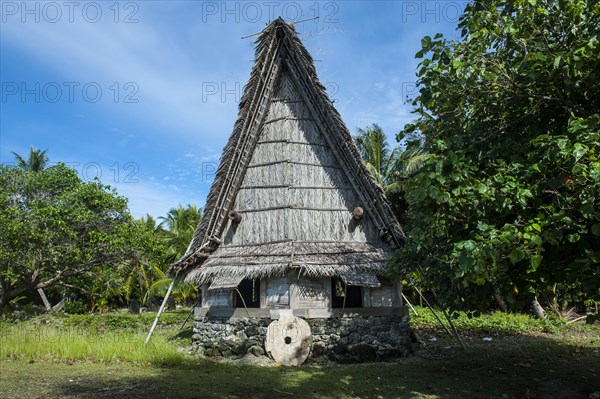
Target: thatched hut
[294,223]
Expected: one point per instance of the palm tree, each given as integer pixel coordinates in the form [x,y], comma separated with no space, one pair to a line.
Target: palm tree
[182,290]
[141,275]
[412,160]
[179,226]
[379,158]
[36,162]
[390,166]
[147,266]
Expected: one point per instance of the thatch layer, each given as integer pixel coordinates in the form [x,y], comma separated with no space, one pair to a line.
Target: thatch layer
[292,172]
[316,259]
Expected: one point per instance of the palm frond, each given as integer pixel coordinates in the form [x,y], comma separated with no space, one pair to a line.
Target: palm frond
[181,289]
[36,162]
[380,159]
[416,163]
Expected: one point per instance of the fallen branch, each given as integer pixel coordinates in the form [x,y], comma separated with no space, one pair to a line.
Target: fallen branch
[282,392]
[577,319]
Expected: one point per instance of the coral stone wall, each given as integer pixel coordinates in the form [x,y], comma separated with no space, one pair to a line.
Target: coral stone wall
[344,339]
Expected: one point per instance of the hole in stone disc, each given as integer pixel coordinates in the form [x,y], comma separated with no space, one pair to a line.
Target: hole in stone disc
[287,340]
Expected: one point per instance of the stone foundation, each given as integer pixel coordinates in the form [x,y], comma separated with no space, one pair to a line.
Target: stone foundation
[344,339]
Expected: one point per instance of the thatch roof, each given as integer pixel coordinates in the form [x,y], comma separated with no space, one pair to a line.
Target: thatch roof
[292,172]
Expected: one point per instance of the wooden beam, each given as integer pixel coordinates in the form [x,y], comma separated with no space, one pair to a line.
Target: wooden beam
[44,299]
[162,307]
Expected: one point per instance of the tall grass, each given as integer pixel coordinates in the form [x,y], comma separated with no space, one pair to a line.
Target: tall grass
[67,341]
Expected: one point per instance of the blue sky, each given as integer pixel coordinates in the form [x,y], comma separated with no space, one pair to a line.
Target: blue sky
[143,94]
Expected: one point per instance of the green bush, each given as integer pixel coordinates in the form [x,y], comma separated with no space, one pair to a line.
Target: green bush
[493,323]
[124,320]
[75,307]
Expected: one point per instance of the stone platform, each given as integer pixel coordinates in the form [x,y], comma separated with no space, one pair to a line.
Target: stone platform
[343,339]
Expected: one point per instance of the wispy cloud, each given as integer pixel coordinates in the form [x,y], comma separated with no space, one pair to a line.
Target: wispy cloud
[167,80]
[189,68]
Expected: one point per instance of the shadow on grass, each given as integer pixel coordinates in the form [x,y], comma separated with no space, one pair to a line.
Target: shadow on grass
[509,367]
[185,334]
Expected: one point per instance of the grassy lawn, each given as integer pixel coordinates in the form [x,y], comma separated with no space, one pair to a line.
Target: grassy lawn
[564,363]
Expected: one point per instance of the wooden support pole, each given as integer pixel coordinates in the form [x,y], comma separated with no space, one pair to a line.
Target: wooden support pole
[243,302]
[160,310]
[429,306]
[409,304]
[345,295]
[456,334]
[44,299]
[188,316]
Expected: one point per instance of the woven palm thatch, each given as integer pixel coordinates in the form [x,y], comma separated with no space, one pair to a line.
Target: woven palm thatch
[292,175]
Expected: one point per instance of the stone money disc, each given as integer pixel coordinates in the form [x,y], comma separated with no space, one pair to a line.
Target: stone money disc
[288,340]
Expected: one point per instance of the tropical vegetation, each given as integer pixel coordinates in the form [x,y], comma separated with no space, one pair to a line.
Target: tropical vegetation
[496,182]
[505,209]
[78,241]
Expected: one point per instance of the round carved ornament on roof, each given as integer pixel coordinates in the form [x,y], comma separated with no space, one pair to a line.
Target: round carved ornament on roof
[235,216]
[357,213]
[288,340]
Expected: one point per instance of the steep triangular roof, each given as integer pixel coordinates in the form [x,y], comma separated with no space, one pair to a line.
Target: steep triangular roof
[291,169]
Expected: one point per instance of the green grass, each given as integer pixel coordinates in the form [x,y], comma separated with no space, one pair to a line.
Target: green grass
[509,367]
[104,357]
[102,338]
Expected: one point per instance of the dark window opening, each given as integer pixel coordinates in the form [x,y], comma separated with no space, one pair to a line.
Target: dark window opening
[250,293]
[340,291]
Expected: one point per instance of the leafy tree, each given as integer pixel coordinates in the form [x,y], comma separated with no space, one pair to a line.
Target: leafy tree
[55,228]
[132,277]
[36,162]
[507,203]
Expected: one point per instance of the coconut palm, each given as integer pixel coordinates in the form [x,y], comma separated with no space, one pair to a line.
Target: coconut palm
[179,226]
[147,265]
[389,166]
[379,158]
[36,162]
[141,275]
[182,290]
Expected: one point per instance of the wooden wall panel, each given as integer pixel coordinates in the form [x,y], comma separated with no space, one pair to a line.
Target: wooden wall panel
[276,293]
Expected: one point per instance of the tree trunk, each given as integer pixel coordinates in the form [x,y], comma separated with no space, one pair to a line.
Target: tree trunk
[10,294]
[500,301]
[537,308]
